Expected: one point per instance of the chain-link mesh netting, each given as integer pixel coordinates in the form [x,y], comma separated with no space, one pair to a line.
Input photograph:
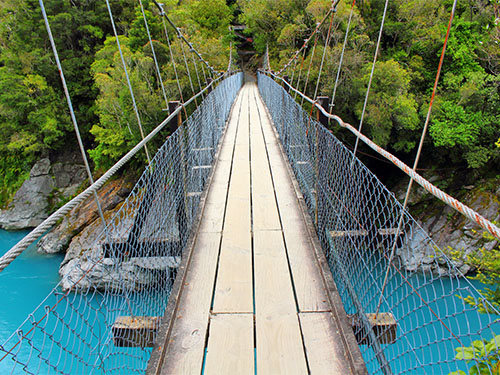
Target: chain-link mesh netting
[356,219]
[130,269]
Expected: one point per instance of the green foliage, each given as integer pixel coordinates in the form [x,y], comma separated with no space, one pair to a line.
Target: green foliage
[14,172]
[483,354]
[488,273]
[391,109]
[266,19]
[34,119]
[118,128]
[213,15]
[463,128]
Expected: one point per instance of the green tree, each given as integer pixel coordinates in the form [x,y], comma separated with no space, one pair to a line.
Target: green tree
[483,355]
[391,111]
[118,129]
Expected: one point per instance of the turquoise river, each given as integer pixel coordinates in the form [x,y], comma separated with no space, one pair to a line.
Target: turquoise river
[31,277]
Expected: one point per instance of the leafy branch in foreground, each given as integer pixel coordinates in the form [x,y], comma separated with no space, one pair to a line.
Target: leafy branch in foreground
[484,354]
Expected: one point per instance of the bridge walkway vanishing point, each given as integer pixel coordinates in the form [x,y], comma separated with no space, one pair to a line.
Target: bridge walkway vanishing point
[254,294]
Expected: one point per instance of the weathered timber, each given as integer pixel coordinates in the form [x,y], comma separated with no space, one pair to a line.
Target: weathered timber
[383,325]
[141,248]
[135,331]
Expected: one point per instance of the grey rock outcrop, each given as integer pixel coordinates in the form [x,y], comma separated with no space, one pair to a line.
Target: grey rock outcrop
[450,231]
[85,266]
[78,219]
[30,204]
[47,184]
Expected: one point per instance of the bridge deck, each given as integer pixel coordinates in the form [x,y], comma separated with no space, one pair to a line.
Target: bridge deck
[253,298]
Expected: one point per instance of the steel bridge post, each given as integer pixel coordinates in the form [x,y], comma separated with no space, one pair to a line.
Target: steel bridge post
[175,122]
[323,101]
[286,87]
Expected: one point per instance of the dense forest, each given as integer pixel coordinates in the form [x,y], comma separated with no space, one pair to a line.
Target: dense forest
[463,134]
[34,118]
[464,125]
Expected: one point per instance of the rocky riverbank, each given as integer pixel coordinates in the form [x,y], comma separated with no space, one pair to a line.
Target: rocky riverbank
[448,229]
[48,184]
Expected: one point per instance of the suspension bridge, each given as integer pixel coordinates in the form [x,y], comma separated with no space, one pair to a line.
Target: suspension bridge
[254,242]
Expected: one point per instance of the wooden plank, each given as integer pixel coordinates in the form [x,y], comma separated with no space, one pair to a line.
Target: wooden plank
[309,289]
[226,152]
[348,233]
[233,290]
[187,347]
[264,207]
[273,285]
[279,343]
[389,231]
[243,122]
[325,352]
[135,331]
[230,345]
[215,205]
[240,179]
[383,325]
[199,167]
[279,346]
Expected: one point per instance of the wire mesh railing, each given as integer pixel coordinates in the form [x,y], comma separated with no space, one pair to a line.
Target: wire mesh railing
[424,324]
[129,271]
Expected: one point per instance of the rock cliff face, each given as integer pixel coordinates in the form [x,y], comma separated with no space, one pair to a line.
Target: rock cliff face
[80,233]
[86,214]
[449,230]
[85,266]
[46,185]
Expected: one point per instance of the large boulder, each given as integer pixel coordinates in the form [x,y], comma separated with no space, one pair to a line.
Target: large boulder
[46,186]
[450,231]
[85,266]
[30,204]
[80,217]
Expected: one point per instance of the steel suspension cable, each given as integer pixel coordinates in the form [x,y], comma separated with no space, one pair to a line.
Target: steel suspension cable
[371,75]
[196,70]
[293,71]
[309,68]
[327,42]
[187,70]
[296,55]
[342,56]
[180,35]
[154,54]
[72,114]
[204,74]
[173,61]
[300,71]
[138,117]
[228,70]
[419,150]
[267,58]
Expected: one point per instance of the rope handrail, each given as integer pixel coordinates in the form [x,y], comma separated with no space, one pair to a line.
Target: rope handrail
[355,217]
[131,272]
[48,223]
[434,190]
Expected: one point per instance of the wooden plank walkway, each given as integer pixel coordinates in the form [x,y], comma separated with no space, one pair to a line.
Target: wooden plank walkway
[254,298]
